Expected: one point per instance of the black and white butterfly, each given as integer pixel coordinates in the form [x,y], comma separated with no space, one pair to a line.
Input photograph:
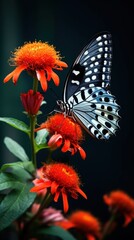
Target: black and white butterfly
[86,95]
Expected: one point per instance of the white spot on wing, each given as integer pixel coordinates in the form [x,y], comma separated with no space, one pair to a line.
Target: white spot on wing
[100,43]
[93,77]
[75,82]
[105,36]
[108,77]
[88,73]
[103,76]
[86,52]
[98,38]
[100,49]
[82,88]
[96,63]
[99,56]
[76,72]
[103,84]
[92,58]
[87,79]
[91,85]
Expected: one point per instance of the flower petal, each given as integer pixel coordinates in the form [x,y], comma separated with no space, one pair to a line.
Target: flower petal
[60,65]
[90,237]
[128,219]
[55,141]
[9,76]
[107,199]
[65,201]
[54,187]
[49,73]
[14,74]
[66,145]
[56,197]
[82,193]
[42,78]
[41,186]
[17,73]
[55,78]
[82,152]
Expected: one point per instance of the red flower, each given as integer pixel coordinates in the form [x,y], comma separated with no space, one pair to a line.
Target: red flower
[65,132]
[86,223]
[39,59]
[120,203]
[62,180]
[31,101]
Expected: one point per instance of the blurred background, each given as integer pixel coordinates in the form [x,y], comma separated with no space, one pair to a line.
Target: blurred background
[69,25]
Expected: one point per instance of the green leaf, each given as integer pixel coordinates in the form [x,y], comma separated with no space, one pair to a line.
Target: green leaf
[8,181]
[16,149]
[16,124]
[15,204]
[41,140]
[56,231]
[21,170]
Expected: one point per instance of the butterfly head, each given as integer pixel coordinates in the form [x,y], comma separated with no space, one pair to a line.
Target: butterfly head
[64,107]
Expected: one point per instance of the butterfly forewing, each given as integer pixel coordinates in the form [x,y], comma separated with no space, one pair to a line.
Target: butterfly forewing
[92,67]
[86,89]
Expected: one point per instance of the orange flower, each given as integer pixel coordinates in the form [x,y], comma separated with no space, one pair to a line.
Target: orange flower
[64,132]
[39,59]
[31,101]
[120,203]
[61,179]
[86,223]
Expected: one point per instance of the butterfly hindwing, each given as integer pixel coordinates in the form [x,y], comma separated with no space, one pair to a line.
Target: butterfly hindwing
[92,66]
[97,111]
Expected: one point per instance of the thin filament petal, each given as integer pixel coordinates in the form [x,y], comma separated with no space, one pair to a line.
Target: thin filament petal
[42,78]
[66,145]
[55,78]
[65,201]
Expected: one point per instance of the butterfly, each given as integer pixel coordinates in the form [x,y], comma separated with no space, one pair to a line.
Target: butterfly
[86,95]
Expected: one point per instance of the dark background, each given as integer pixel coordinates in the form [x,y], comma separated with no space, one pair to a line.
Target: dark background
[69,25]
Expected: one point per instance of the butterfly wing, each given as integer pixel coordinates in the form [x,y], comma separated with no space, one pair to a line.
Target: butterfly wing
[92,67]
[86,88]
[96,110]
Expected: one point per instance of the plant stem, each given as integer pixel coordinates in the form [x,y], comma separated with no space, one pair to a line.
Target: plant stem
[35,84]
[109,227]
[32,127]
[27,228]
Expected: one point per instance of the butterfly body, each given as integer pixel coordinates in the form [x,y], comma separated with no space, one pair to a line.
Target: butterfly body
[86,95]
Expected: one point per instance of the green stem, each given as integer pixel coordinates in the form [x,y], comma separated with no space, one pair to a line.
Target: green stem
[27,228]
[35,84]
[109,227]
[32,127]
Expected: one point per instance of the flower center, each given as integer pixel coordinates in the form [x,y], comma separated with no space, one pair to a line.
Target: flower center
[66,172]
